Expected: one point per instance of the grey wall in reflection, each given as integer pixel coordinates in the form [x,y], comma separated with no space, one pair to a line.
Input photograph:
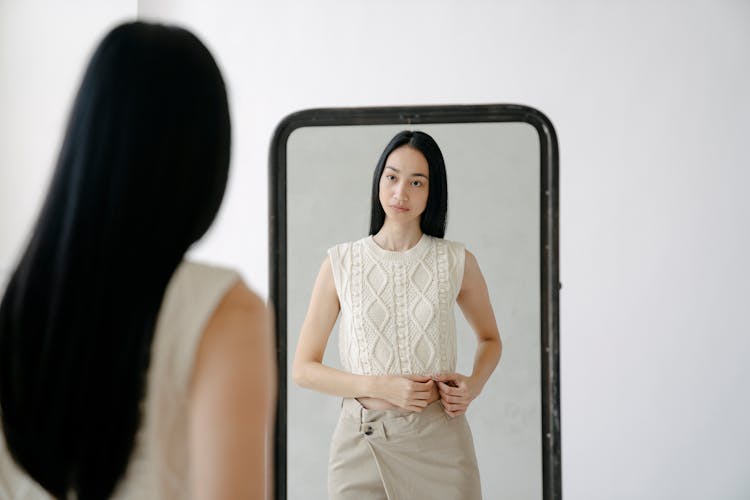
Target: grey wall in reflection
[494,199]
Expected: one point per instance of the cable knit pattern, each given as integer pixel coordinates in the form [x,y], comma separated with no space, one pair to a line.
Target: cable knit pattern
[397,308]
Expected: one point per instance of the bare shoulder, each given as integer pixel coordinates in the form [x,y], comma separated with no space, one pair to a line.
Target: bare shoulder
[238,333]
[240,311]
[325,282]
[326,268]
[232,398]
[472,275]
[240,300]
[470,259]
[471,266]
[326,265]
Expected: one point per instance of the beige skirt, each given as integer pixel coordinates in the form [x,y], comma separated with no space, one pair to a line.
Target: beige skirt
[402,455]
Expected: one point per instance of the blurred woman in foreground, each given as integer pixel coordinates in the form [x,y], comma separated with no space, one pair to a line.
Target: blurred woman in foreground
[125,370]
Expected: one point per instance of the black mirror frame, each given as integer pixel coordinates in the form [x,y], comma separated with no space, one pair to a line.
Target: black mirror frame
[549,252]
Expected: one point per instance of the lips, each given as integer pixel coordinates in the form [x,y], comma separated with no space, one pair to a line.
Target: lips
[399,209]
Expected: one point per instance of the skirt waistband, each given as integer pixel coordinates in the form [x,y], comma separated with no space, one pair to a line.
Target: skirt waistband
[352,408]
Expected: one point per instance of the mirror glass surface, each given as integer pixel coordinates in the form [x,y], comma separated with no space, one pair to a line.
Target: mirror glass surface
[494,190]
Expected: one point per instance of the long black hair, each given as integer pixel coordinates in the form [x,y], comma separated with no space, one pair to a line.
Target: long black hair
[140,177]
[433,218]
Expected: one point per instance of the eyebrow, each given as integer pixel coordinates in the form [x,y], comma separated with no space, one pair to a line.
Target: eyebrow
[398,171]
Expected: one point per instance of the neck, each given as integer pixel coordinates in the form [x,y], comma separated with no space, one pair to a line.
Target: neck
[398,237]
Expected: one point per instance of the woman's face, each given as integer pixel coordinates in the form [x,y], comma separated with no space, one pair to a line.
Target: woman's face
[404,184]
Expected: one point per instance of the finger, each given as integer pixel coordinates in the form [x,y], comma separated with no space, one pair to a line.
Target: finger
[454,407]
[455,403]
[425,389]
[422,386]
[450,407]
[455,412]
[458,394]
[448,380]
[419,378]
[445,388]
[452,399]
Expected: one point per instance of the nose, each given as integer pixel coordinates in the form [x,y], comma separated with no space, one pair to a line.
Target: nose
[399,192]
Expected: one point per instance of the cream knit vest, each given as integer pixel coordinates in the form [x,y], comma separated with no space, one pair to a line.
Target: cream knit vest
[158,467]
[397,307]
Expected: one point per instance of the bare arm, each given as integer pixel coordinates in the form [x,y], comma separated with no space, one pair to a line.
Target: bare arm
[474,301]
[232,401]
[309,371]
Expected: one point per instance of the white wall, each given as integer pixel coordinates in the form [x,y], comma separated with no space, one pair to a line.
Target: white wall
[44,46]
[650,101]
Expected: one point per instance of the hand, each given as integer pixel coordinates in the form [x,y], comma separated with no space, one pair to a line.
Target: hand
[456,392]
[411,392]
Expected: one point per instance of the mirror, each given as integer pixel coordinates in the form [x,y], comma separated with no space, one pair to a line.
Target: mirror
[501,165]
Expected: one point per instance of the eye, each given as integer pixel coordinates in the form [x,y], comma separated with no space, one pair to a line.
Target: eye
[390,177]
[417,183]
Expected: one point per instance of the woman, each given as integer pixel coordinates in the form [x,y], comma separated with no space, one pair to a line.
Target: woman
[402,431]
[125,371]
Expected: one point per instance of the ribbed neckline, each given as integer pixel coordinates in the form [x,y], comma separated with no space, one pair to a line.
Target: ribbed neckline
[414,252]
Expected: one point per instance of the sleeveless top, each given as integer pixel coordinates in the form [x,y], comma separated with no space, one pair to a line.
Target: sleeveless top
[158,467]
[397,308]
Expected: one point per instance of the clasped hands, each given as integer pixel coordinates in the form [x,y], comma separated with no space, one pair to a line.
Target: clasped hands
[414,392]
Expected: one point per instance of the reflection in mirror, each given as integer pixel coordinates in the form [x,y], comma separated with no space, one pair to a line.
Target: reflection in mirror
[494,202]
